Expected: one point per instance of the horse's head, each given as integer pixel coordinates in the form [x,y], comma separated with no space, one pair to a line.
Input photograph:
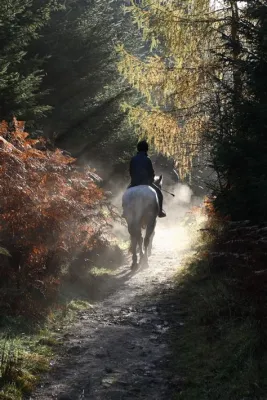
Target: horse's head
[158,181]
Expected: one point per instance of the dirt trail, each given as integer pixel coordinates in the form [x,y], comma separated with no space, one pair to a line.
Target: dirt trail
[119,349]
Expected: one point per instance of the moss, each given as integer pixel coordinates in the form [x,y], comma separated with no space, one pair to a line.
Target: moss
[22,360]
[10,392]
[98,271]
[78,305]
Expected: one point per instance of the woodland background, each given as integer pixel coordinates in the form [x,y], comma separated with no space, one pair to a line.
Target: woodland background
[91,77]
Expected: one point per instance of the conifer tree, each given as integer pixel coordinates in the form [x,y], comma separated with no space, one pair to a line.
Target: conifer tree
[237,129]
[174,80]
[21,75]
[83,81]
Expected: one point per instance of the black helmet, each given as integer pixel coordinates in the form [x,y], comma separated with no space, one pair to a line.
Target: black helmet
[142,146]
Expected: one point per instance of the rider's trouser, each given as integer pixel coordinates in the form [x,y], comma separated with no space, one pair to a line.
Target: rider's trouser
[160,195]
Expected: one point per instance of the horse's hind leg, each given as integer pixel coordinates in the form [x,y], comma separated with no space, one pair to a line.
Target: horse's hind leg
[140,244]
[134,240]
[149,248]
[149,237]
[133,250]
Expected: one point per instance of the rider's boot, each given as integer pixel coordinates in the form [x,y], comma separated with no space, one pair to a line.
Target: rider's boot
[161,214]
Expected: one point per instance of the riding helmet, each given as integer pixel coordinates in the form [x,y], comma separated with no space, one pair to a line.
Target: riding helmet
[142,146]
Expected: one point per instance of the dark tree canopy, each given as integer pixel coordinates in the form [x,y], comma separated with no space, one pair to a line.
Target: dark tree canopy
[20,74]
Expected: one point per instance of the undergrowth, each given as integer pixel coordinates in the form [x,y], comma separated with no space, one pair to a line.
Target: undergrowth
[29,350]
[23,357]
[54,225]
[29,347]
[51,210]
[220,351]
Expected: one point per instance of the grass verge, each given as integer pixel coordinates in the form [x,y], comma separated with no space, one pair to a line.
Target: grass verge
[30,348]
[28,351]
[23,357]
[220,350]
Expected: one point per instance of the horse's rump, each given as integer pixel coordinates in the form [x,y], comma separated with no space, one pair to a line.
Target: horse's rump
[139,204]
[140,209]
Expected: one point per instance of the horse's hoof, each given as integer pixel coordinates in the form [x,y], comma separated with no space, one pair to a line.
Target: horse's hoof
[144,261]
[134,266]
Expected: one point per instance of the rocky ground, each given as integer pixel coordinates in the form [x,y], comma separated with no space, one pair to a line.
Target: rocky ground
[119,348]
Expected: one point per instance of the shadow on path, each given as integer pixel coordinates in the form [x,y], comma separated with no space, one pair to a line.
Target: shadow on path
[118,350]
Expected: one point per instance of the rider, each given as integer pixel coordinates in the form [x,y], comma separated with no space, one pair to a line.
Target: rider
[142,172]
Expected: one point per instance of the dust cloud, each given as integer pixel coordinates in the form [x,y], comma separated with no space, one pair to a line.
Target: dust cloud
[172,231]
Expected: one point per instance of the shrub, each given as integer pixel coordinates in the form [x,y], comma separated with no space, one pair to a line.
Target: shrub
[49,209]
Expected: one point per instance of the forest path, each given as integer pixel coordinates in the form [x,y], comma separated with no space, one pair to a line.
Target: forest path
[118,350]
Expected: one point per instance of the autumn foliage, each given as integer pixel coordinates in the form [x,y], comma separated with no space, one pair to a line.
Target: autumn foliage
[49,210]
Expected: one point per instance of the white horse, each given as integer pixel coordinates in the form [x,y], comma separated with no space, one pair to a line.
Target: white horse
[140,209]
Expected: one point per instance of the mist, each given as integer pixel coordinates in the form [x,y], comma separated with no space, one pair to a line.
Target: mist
[177,208]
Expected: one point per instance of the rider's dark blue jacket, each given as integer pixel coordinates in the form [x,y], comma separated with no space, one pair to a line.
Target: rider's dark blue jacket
[141,169]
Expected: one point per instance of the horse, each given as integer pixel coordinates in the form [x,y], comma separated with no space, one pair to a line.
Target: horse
[140,209]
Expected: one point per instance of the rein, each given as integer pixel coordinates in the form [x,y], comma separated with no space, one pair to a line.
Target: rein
[166,191]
